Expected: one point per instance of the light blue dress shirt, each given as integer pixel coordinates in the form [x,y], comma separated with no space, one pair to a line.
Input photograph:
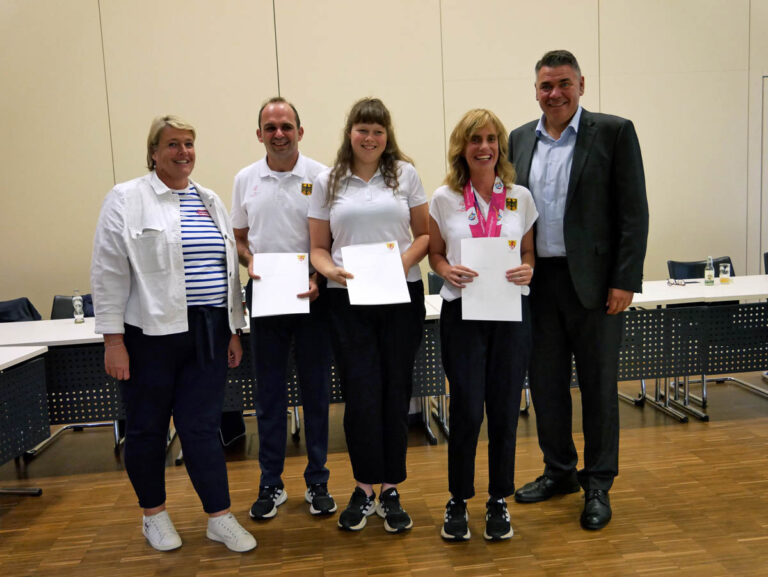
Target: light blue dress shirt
[548,181]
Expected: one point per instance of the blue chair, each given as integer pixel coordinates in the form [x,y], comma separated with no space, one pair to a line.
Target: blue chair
[695,269]
[18,310]
[64,309]
[434,283]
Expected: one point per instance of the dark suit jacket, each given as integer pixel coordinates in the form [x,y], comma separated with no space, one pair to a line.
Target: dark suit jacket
[606,211]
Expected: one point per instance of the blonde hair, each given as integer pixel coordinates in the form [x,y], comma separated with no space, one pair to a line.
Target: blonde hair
[470,123]
[156,129]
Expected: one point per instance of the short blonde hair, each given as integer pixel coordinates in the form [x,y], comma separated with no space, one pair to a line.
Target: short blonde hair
[156,129]
[470,123]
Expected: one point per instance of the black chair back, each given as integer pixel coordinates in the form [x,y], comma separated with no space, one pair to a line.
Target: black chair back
[18,310]
[434,282]
[765,262]
[679,269]
[63,309]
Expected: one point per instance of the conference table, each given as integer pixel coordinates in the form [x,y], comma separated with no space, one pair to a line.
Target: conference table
[688,338]
[660,342]
[81,395]
[23,407]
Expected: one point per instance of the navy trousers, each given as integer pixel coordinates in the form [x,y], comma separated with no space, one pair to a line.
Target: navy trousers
[271,339]
[563,326]
[485,363]
[375,348]
[181,375]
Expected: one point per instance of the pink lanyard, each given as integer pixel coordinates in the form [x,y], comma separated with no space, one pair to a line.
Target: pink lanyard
[478,225]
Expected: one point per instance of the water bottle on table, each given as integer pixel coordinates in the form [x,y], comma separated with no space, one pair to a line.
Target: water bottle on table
[77,305]
[709,272]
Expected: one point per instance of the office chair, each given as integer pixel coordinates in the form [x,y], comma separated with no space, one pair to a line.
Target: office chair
[434,283]
[695,269]
[64,309]
[18,310]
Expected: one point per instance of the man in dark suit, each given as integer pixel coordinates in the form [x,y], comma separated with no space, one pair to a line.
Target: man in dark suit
[586,175]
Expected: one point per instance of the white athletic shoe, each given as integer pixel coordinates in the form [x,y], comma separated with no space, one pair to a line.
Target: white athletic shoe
[160,532]
[225,529]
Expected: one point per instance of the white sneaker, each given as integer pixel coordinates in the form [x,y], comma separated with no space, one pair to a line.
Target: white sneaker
[160,532]
[225,529]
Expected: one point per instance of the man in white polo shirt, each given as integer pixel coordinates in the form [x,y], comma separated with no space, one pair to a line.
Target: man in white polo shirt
[270,202]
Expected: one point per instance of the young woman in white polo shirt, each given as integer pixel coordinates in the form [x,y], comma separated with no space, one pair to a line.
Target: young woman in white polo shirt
[485,361]
[372,194]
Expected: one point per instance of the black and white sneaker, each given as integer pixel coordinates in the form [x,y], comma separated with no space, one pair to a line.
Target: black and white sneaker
[270,498]
[456,524]
[320,500]
[360,506]
[497,525]
[396,520]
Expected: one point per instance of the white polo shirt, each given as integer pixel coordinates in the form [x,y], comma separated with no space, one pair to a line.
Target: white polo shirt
[365,212]
[274,206]
[450,214]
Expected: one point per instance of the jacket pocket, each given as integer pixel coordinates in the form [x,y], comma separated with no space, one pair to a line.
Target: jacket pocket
[150,251]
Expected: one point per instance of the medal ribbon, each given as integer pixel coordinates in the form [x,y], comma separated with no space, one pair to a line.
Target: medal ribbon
[491,226]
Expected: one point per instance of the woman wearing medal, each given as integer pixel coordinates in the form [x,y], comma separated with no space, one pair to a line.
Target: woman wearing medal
[485,361]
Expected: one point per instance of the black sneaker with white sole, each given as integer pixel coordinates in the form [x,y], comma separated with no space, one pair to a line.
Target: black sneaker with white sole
[360,507]
[396,520]
[270,498]
[497,525]
[456,523]
[320,500]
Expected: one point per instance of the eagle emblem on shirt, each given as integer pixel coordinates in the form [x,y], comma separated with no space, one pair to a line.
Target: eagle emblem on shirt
[306,188]
[511,204]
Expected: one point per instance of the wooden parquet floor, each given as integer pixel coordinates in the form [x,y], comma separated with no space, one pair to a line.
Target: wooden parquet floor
[691,499]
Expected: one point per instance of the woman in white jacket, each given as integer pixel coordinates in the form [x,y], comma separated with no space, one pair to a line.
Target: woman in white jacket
[166,296]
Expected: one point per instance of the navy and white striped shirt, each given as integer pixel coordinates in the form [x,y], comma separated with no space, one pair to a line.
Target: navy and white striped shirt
[205,259]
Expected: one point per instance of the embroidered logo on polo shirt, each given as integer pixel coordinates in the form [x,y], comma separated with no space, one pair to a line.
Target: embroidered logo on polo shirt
[512,244]
[390,245]
[306,188]
[301,257]
[511,204]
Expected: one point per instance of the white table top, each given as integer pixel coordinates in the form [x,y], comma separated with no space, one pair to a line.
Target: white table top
[10,356]
[658,292]
[49,333]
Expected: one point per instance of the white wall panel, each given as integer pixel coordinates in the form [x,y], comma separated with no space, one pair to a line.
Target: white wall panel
[334,52]
[210,62]
[490,48]
[678,69]
[54,146]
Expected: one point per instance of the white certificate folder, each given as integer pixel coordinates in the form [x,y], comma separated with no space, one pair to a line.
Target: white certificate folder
[379,278]
[283,276]
[490,296]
